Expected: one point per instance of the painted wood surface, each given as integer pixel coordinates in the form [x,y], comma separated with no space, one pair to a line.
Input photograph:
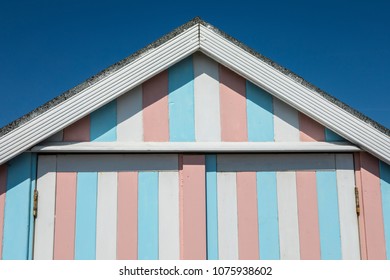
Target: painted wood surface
[17,210]
[3,188]
[193,207]
[168,216]
[64,234]
[233,106]
[155,108]
[267,209]
[331,136]
[211,207]
[309,234]
[384,170]
[181,101]
[86,212]
[288,216]
[328,214]
[129,116]
[286,122]
[148,215]
[248,236]
[227,216]
[44,223]
[106,224]
[310,130]
[349,231]
[79,131]
[127,235]
[103,123]
[373,214]
[259,114]
[206,96]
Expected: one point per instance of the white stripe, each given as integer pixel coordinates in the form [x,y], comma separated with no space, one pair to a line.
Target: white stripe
[206,95]
[58,137]
[106,225]
[288,216]
[286,122]
[227,216]
[350,248]
[44,224]
[168,215]
[129,116]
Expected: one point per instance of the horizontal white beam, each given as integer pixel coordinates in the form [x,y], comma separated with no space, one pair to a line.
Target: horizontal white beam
[178,147]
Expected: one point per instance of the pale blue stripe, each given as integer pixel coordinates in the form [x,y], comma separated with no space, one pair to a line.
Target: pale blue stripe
[17,209]
[86,205]
[267,209]
[181,101]
[32,187]
[103,123]
[328,215]
[385,190]
[148,215]
[212,207]
[330,136]
[259,114]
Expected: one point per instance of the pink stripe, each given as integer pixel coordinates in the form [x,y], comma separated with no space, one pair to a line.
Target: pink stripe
[309,234]
[127,216]
[79,131]
[65,216]
[192,208]
[155,108]
[3,188]
[248,236]
[233,106]
[362,224]
[376,246]
[310,130]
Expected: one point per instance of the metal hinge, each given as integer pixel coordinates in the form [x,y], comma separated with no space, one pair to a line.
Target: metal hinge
[357,201]
[35,207]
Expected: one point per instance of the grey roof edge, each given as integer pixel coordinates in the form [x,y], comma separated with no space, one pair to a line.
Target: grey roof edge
[197,20]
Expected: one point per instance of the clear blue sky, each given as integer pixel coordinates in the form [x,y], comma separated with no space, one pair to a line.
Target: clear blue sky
[48,47]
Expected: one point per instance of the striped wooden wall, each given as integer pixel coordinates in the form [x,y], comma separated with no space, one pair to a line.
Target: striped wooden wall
[196,100]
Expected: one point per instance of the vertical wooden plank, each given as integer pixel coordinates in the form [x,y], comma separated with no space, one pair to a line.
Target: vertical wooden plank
[64,225]
[259,114]
[267,212]
[362,225]
[148,215]
[129,116]
[372,201]
[248,236]
[206,95]
[58,137]
[309,234]
[331,136]
[103,123]
[181,101]
[106,224]
[227,216]
[17,210]
[349,230]
[193,207]
[3,187]
[79,131]
[168,212]
[310,130]
[33,176]
[328,213]
[384,171]
[86,207]
[233,106]
[286,123]
[155,108]
[288,216]
[127,247]
[44,223]
[212,207]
